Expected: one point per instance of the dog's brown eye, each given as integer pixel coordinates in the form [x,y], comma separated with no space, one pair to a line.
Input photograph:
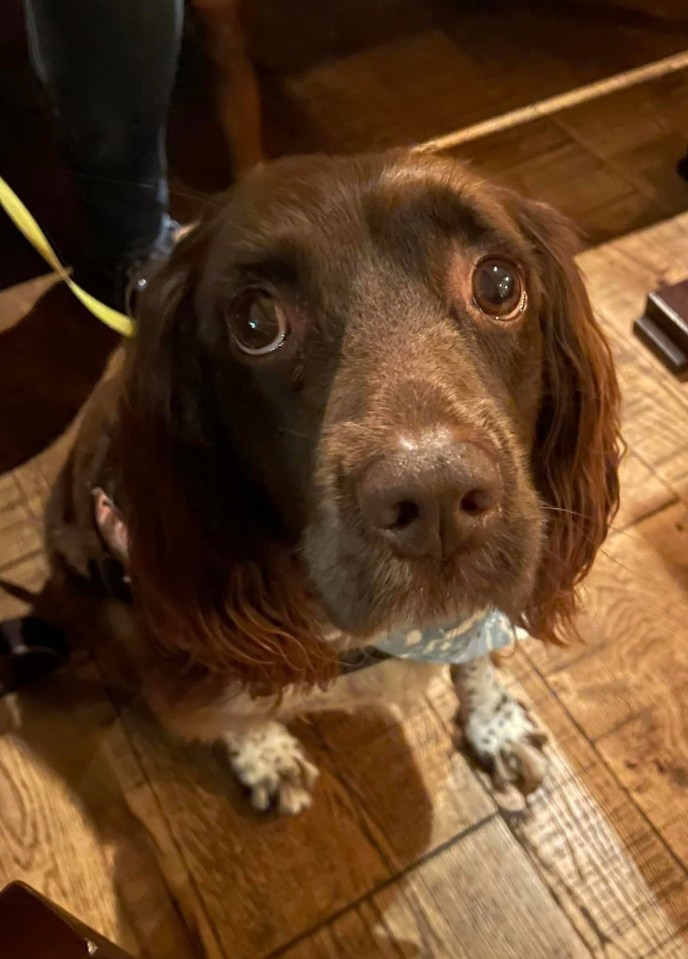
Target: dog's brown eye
[257,323]
[498,289]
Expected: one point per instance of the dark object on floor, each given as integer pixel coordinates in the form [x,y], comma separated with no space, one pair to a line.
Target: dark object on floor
[32,927]
[29,649]
[663,327]
[682,167]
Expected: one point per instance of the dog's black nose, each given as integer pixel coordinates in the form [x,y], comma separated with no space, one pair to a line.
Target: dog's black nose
[432,497]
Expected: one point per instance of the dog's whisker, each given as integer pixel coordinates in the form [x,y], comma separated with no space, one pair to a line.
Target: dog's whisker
[619,530]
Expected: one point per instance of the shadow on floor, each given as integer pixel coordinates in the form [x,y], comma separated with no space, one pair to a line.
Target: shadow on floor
[49,363]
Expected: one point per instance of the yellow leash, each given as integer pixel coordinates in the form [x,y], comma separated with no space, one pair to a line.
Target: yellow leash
[26,225]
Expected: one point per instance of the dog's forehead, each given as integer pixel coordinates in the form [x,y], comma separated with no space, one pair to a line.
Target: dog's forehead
[347,236]
[317,203]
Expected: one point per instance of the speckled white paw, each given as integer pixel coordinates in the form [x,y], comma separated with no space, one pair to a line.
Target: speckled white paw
[509,744]
[270,762]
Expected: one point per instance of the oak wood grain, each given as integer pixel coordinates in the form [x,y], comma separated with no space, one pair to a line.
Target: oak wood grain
[613,873]
[65,828]
[460,903]
[389,793]
[649,755]
[638,606]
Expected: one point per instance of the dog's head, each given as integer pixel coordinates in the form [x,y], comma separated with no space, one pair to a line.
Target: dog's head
[365,393]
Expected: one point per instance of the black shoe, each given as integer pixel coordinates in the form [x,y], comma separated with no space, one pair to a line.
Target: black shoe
[116,282]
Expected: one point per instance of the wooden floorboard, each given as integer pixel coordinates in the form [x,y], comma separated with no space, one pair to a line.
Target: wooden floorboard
[357,75]
[452,905]
[609,163]
[65,827]
[354,840]
[637,612]
[649,755]
[408,851]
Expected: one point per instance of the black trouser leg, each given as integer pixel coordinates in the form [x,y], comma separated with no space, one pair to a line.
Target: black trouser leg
[109,66]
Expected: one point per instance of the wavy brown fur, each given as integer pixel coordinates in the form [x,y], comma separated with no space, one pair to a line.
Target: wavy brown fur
[206,582]
[212,567]
[578,446]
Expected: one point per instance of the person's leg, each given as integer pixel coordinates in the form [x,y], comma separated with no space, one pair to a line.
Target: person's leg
[109,66]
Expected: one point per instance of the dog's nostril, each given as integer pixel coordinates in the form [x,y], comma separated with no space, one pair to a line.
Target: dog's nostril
[407,512]
[477,501]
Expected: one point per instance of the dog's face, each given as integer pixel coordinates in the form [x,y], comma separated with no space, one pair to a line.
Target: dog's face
[384,364]
[383,375]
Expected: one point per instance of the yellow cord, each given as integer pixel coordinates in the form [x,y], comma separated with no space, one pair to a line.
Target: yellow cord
[26,225]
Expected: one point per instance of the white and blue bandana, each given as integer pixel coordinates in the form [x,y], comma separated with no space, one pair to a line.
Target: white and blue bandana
[479,635]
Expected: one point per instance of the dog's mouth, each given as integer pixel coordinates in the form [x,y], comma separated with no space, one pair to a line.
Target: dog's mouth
[365,596]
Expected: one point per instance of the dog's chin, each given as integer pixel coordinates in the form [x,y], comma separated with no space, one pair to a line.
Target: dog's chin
[365,590]
[367,625]
[363,604]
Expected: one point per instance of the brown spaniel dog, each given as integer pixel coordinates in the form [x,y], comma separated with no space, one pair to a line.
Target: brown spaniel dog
[366,394]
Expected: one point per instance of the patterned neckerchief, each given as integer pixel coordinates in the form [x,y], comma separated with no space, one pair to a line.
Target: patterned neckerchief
[479,635]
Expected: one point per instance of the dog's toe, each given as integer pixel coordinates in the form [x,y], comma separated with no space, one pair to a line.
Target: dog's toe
[293,799]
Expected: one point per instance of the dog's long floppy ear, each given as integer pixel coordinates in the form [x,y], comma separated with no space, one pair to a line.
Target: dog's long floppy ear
[213,584]
[578,446]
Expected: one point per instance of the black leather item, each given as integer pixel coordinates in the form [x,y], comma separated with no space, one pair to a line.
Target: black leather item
[29,649]
[33,927]
[663,327]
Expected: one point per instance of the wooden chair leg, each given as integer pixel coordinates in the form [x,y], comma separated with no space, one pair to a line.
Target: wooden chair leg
[237,88]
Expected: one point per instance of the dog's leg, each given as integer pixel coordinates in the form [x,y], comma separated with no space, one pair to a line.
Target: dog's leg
[499,731]
[263,754]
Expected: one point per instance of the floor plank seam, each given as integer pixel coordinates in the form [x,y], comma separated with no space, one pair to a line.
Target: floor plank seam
[683,868]
[677,934]
[24,558]
[194,930]
[653,469]
[542,875]
[637,183]
[359,814]
[616,727]
[382,886]
[676,498]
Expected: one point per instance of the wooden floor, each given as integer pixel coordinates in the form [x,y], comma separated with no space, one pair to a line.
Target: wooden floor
[407,852]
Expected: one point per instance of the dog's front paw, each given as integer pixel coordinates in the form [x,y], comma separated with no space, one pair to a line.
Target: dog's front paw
[508,743]
[270,762]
